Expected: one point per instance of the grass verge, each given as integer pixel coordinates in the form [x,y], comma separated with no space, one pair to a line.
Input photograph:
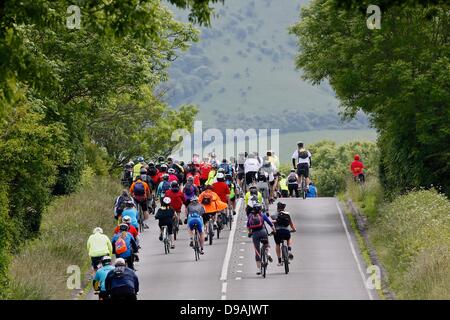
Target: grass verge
[39,271]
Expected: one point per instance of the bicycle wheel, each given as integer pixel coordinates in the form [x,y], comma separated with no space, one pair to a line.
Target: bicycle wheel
[285,255]
[263,261]
[141,219]
[219,224]
[230,217]
[175,228]
[210,231]
[303,188]
[196,246]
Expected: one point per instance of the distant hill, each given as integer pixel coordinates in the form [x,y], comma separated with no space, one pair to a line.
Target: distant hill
[242,73]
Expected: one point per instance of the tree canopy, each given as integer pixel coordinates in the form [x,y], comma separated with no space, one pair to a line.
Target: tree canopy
[399,75]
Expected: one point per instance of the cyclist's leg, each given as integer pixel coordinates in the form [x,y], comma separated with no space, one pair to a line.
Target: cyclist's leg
[170,233]
[257,248]
[277,246]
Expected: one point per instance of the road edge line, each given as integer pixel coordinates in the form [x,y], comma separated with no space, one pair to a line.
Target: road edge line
[352,248]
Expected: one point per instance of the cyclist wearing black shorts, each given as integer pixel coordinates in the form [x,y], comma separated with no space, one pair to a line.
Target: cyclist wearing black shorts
[282,221]
[304,161]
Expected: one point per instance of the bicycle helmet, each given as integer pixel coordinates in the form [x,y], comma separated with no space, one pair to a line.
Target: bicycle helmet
[165,176]
[98,229]
[281,206]
[171,171]
[120,262]
[220,176]
[140,159]
[126,219]
[214,165]
[357,157]
[174,185]
[163,167]
[143,171]
[194,198]
[190,179]
[151,164]
[106,260]
[257,207]
[221,170]
[300,143]
[160,159]
[123,227]
[167,200]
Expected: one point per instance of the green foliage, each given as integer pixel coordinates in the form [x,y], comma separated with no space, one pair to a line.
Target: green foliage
[412,235]
[331,163]
[66,226]
[399,75]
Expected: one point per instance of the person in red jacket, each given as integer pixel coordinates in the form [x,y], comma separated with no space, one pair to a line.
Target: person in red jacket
[205,168]
[131,228]
[177,199]
[221,188]
[357,168]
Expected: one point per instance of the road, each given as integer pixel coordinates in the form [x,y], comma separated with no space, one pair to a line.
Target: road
[326,264]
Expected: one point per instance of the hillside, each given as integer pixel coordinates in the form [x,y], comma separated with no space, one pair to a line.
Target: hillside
[242,72]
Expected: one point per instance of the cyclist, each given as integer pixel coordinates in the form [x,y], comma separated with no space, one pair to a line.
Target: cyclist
[212,204]
[166,215]
[357,168]
[177,199]
[193,172]
[221,188]
[120,204]
[304,162]
[227,168]
[153,172]
[262,183]
[172,175]
[292,182]
[205,167]
[258,233]
[131,229]
[212,173]
[232,187]
[195,213]
[251,168]
[161,162]
[252,197]
[273,159]
[312,192]
[163,186]
[270,171]
[98,246]
[131,212]
[127,178]
[140,192]
[189,191]
[240,169]
[99,279]
[284,186]
[121,283]
[283,221]
[124,245]
[137,167]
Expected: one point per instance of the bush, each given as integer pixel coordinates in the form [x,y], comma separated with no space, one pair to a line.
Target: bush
[412,235]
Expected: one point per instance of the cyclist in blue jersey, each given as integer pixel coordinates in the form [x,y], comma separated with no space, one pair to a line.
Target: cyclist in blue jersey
[99,279]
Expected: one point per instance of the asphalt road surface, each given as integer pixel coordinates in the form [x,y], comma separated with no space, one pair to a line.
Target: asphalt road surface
[326,264]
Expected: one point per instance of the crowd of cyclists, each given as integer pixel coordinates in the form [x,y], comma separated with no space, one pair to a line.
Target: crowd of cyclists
[194,193]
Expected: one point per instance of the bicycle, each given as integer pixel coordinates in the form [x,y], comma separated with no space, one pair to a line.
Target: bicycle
[141,218]
[210,230]
[196,244]
[221,221]
[285,255]
[264,259]
[166,241]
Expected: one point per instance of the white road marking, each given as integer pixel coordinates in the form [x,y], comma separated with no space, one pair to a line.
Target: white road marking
[241,257]
[354,252]
[238,278]
[226,261]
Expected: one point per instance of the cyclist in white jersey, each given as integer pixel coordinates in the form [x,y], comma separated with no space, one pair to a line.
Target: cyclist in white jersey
[304,162]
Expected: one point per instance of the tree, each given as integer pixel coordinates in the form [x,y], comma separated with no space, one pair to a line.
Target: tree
[399,75]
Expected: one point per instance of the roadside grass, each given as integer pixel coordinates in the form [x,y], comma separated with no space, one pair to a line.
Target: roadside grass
[39,270]
[412,238]
[368,196]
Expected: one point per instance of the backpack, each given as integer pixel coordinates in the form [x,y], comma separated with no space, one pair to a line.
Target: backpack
[225,167]
[139,189]
[206,200]
[255,222]
[303,153]
[189,190]
[292,178]
[152,171]
[121,202]
[262,177]
[121,245]
[283,220]
[165,186]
